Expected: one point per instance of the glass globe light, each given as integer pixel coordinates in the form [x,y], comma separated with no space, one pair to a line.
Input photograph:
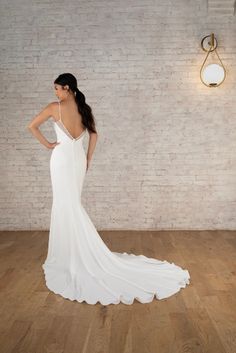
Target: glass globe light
[213,75]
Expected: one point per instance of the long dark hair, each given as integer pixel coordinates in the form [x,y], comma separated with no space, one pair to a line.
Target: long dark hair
[83,108]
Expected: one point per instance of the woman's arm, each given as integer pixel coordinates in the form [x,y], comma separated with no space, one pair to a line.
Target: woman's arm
[33,126]
[92,143]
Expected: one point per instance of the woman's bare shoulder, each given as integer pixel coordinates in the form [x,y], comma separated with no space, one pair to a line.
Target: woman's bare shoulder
[54,108]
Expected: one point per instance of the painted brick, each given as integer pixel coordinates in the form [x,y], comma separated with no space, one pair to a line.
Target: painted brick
[165,157]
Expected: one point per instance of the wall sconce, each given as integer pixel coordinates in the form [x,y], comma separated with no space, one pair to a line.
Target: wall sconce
[213,74]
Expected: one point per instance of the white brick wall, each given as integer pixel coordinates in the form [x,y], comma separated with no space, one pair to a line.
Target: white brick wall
[166,154]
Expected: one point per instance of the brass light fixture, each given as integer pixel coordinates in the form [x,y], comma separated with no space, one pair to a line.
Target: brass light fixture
[213,74]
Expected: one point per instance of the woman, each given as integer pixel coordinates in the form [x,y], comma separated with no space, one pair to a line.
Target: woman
[79,266]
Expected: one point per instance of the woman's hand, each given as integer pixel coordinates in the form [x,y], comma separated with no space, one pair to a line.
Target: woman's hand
[51,145]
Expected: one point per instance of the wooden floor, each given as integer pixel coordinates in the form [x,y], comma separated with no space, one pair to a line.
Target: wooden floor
[199,318]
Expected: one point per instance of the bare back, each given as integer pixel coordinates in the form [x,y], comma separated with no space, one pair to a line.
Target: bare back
[68,115]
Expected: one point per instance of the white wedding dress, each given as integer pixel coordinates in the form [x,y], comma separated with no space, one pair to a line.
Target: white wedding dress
[79,266]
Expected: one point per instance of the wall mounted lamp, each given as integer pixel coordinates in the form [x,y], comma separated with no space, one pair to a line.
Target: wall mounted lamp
[212,75]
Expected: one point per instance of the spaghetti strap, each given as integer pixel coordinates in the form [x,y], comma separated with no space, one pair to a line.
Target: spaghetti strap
[59,108]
